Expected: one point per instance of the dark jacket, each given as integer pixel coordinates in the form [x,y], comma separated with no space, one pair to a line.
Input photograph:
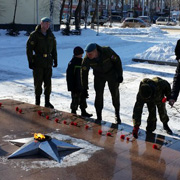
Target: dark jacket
[41,49]
[73,76]
[176,84]
[107,64]
[177,50]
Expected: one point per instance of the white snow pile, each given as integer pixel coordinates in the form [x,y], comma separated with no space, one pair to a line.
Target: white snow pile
[160,52]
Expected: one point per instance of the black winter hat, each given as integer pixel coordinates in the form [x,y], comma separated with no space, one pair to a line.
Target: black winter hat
[78,50]
[146,91]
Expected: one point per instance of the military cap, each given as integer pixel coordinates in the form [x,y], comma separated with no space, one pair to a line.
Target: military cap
[146,91]
[90,47]
[45,19]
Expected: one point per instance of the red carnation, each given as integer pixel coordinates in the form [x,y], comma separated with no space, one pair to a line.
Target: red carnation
[39,113]
[86,127]
[108,134]
[100,131]
[122,136]
[127,138]
[17,109]
[56,120]
[75,124]
[47,117]
[72,123]
[20,111]
[65,122]
[155,146]
[164,99]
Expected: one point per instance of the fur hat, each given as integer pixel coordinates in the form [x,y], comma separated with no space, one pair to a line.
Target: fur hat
[78,50]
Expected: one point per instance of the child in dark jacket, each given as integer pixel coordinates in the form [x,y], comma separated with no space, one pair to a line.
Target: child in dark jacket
[73,77]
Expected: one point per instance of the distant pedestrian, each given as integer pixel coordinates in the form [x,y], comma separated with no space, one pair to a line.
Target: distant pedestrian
[73,77]
[107,67]
[152,92]
[42,55]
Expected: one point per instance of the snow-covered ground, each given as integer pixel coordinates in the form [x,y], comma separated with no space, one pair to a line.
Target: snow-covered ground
[16,80]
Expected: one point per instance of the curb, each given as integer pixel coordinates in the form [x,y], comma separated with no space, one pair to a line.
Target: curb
[155,62]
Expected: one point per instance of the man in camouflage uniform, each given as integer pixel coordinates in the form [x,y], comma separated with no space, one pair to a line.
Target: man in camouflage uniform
[42,55]
[152,92]
[107,67]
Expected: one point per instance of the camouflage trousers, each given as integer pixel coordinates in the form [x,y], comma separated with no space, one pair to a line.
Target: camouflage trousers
[42,75]
[78,99]
[99,85]
[152,118]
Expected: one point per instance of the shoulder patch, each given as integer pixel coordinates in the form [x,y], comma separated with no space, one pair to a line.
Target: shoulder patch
[32,42]
[84,68]
[113,57]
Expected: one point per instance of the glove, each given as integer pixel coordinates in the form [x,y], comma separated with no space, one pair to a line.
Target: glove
[31,65]
[85,92]
[164,99]
[55,64]
[171,102]
[120,79]
[135,131]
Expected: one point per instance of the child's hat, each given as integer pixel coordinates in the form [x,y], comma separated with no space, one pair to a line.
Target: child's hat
[78,50]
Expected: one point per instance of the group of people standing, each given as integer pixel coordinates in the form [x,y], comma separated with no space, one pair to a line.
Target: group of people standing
[107,67]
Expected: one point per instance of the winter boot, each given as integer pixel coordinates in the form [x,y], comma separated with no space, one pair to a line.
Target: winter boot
[117,117]
[73,111]
[38,100]
[99,118]
[151,126]
[84,113]
[47,103]
[166,127]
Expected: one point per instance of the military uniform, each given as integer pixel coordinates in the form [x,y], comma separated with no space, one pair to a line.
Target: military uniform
[160,88]
[106,68]
[74,84]
[42,54]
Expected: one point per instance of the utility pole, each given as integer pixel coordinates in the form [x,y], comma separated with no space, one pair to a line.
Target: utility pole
[97,34]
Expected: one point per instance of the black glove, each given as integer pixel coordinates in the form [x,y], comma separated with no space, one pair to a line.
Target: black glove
[120,79]
[55,64]
[85,93]
[31,65]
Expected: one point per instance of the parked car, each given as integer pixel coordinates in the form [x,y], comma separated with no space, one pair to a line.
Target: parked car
[146,19]
[72,21]
[102,20]
[134,22]
[166,21]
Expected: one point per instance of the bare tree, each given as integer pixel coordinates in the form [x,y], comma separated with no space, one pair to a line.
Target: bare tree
[78,15]
[61,12]
[94,14]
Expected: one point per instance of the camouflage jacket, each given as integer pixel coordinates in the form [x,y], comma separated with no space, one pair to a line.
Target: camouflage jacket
[176,84]
[108,64]
[41,49]
[161,88]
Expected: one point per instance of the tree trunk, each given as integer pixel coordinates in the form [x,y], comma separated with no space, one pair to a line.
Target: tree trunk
[14,17]
[61,12]
[94,15]
[78,15]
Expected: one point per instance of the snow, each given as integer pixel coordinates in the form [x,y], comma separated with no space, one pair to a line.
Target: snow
[152,43]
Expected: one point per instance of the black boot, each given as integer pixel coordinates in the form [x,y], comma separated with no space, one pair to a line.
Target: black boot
[84,113]
[38,100]
[166,127]
[99,117]
[151,126]
[117,117]
[73,111]
[47,103]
